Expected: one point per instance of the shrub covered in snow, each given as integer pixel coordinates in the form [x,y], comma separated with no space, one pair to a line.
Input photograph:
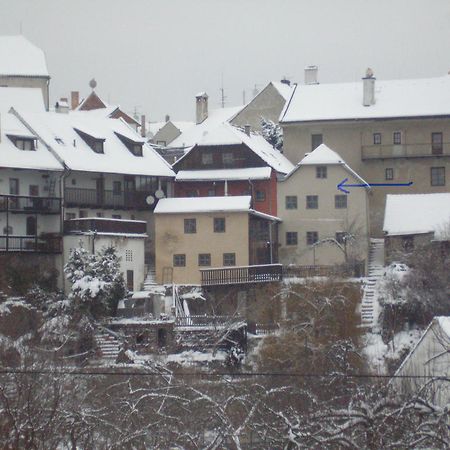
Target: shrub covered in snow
[272,133]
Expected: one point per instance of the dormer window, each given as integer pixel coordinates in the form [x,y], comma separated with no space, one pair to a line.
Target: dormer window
[23,143]
[95,143]
[134,147]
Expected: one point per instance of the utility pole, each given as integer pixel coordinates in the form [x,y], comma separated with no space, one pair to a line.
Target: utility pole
[222,94]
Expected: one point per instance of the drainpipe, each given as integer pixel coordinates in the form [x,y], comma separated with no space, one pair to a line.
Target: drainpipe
[225,188]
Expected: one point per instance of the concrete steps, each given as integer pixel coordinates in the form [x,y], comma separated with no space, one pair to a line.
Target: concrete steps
[108,345]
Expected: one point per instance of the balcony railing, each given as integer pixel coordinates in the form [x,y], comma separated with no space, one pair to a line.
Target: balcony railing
[103,225]
[45,243]
[30,205]
[91,198]
[241,275]
[205,321]
[404,151]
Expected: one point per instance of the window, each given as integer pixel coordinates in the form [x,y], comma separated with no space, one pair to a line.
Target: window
[340,201]
[291,238]
[190,226]
[291,202]
[23,143]
[229,259]
[437,143]
[34,190]
[82,214]
[179,260]
[207,159]
[316,140]
[193,193]
[211,192]
[260,196]
[312,237]
[14,186]
[377,138]
[100,214]
[227,159]
[74,182]
[219,224]
[397,137]
[161,143]
[204,259]
[117,216]
[321,172]
[389,173]
[340,237]
[408,243]
[117,187]
[438,176]
[129,255]
[312,201]
[96,144]
[130,280]
[70,216]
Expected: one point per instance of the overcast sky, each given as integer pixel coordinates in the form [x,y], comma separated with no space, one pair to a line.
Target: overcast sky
[155,55]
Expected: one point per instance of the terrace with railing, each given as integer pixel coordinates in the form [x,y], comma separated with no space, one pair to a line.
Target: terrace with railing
[29,205]
[404,151]
[241,275]
[44,243]
[108,199]
[104,225]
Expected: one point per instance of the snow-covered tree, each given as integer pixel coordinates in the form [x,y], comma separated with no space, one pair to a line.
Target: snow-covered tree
[272,133]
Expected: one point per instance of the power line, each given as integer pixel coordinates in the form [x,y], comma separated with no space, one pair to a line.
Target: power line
[81,372]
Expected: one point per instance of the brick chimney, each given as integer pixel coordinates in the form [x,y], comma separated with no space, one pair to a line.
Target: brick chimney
[143,128]
[201,107]
[311,74]
[74,99]
[369,88]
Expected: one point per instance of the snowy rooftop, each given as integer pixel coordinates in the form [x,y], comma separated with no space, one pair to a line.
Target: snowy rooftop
[203,204]
[12,157]
[227,134]
[323,155]
[284,89]
[393,98]
[418,213]
[444,322]
[252,173]
[58,132]
[25,99]
[18,56]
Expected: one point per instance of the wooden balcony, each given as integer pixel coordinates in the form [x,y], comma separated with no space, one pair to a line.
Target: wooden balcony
[30,205]
[107,199]
[241,275]
[104,225]
[45,243]
[369,152]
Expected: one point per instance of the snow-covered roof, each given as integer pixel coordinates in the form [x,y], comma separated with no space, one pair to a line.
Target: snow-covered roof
[203,204]
[284,89]
[393,99]
[154,127]
[194,134]
[444,322]
[251,173]
[323,155]
[58,132]
[418,213]
[26,99]
[18,56]
[12,157]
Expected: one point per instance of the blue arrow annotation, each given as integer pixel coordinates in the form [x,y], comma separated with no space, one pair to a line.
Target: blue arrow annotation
[341,186]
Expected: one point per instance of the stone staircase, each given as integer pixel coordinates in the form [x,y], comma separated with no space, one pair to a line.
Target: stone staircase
[369,304]
[108,345]
[150,279]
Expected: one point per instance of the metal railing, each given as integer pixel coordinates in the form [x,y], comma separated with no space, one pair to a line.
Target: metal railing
[241,275]
[102,225]
[29,204]
[93,198]
[404,151]
[35,244]
[204,321]
[342,270]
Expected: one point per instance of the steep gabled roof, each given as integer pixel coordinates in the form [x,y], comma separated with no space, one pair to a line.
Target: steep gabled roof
[19,57]
[418,213]
[429,97]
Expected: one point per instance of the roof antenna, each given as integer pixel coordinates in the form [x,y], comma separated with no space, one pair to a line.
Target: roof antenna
[222,94]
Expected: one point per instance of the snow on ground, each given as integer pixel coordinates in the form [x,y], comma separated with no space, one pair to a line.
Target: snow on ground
[186,358]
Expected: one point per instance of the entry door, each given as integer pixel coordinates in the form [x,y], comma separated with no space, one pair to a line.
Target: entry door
[130,189]
[130,280]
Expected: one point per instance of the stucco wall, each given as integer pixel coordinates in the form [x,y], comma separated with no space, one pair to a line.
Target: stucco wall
[33,82]
[171,239]
[326,220]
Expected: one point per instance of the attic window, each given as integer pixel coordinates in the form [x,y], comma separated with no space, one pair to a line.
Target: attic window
[59,140]
[133,146]
[23,143]
[96,144]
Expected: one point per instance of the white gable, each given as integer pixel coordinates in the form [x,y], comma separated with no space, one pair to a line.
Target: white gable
[203,204]
[25,99]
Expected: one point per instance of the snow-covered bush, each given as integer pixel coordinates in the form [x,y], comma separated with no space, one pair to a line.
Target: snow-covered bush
[272,133]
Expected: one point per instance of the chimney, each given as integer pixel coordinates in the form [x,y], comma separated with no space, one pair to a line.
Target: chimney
[143,130]
[62,106]
[369,88]
[285,81]
[74,99]
[201,105]
[311,73]
[247,129]
[167,118]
